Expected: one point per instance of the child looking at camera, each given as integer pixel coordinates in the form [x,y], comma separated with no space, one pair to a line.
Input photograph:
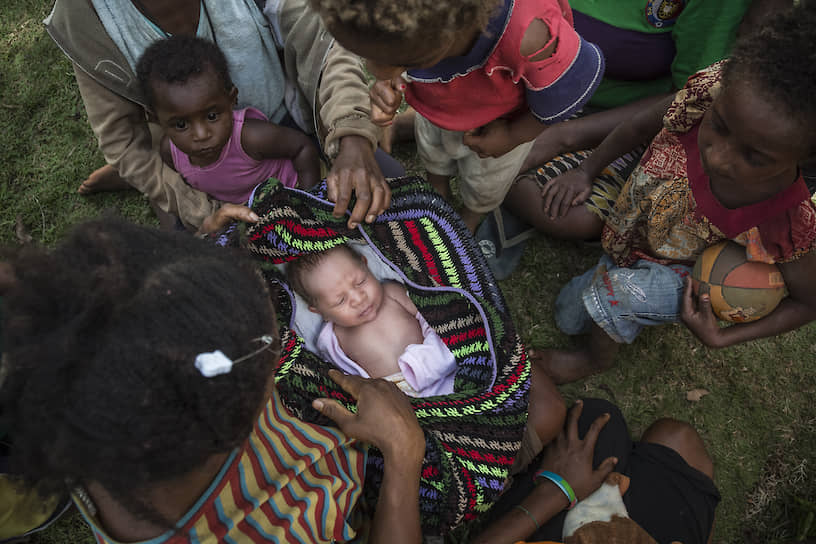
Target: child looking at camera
[723,164]
[221,152]
[486,77]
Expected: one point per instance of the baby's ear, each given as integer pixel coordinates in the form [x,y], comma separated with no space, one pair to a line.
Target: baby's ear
[364,260]
[234,95]
[313,309]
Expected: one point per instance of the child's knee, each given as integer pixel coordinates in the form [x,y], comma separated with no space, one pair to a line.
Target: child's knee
[682,438]
[547,410]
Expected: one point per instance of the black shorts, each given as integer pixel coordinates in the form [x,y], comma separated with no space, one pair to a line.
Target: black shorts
[668,498]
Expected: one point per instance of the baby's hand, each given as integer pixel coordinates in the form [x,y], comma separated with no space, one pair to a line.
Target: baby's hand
[386,97]
[565,191]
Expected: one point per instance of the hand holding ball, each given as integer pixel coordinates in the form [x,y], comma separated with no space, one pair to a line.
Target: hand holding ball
[740,290]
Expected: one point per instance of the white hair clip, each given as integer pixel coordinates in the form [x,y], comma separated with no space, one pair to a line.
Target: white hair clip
[215,363]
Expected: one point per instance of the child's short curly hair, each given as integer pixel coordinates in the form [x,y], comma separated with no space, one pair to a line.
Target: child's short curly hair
[176,59]
[100,338]
[391,21]
[779,60]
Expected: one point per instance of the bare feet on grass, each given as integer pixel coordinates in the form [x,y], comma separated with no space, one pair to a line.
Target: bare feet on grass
[564,366]
[103,179]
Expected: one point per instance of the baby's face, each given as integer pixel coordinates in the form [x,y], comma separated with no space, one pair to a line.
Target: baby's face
[344,290]
[196,115]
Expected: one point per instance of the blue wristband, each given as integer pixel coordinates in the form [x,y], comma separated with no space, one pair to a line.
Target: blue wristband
[561,483]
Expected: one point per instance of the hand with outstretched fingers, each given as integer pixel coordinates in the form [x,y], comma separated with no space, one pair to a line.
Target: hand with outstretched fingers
[564,191]
[384,416]
[355,171]
[571,458]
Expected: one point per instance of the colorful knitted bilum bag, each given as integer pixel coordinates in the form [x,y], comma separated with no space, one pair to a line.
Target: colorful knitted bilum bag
[472,436]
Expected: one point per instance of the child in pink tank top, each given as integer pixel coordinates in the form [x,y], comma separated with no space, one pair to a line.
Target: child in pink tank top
[221,152]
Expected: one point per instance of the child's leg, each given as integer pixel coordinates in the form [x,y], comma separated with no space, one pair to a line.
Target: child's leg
[565,366]
[682,438]
[401,130]
[525,202]
[547,410]
[484,182]
[434,150]
[105,178]
[471,218]
[612,304]
[687,471]
[441,185]
[545,418]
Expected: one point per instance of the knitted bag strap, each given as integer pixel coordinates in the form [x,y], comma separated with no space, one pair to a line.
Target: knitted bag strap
[472,435]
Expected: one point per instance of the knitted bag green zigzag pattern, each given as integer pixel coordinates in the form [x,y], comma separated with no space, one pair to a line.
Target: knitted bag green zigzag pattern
[472,435]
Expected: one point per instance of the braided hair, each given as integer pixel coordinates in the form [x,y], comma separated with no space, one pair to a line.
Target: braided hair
[100,338]
[779,61]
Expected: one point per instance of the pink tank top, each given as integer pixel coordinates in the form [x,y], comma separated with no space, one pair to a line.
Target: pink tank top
[234,176]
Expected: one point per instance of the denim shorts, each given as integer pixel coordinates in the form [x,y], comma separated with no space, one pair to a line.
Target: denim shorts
[621,300]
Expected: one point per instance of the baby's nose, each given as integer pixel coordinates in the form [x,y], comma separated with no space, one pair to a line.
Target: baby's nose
[358,296]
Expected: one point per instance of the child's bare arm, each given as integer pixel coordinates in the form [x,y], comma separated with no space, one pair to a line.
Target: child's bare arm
[396,291]
[265,140]
[797,309]
[641,128]
[574,187]
[164,151]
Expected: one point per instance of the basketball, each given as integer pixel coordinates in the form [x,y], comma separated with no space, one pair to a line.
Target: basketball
[740,290]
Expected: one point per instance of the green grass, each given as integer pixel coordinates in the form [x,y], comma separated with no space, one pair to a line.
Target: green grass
[759,418]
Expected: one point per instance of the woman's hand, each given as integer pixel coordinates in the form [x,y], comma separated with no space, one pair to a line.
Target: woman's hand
[699,318]
[355,170]
[384,417]
[225,215]
[565,191]
[571,458]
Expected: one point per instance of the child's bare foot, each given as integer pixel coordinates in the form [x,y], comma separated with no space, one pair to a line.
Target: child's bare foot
[103,179]
[568,366]
[564,366]
[401,130]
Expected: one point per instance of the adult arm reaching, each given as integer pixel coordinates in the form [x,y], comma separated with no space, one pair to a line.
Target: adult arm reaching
[386,420]
[571,458]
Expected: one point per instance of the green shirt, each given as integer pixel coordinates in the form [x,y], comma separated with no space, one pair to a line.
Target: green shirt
[703,31]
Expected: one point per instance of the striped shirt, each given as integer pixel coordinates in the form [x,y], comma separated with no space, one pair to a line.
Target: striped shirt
[291,482]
